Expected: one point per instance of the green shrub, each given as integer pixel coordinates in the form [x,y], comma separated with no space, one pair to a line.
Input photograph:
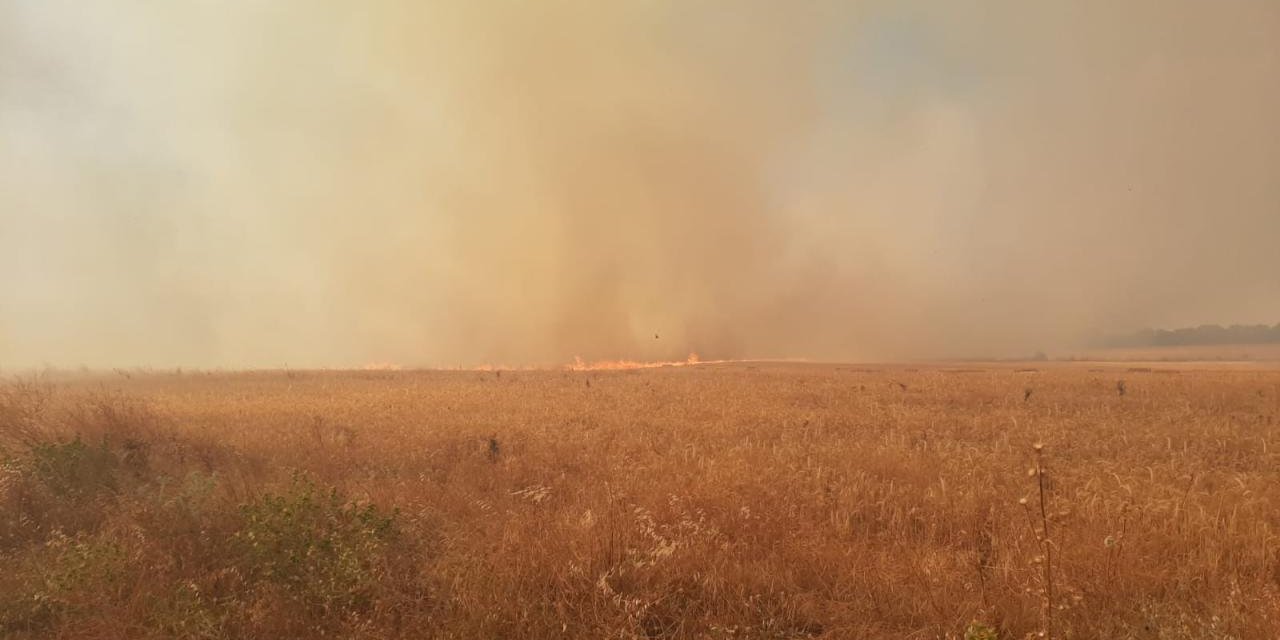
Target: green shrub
[74,469]
[186,612]
[320,550]
[979,631]
[66,576]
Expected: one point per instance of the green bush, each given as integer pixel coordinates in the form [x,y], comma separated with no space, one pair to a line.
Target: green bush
[186,612]
[322,551]
[979,631]
[56,486]
[74,469]
[66,576]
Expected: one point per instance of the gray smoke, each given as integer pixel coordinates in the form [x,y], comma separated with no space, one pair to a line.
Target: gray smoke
[323,183]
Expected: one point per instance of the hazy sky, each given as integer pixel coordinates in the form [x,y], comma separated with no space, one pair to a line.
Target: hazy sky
[313,182]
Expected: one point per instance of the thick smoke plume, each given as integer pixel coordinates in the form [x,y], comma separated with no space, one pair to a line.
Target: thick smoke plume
[333,183]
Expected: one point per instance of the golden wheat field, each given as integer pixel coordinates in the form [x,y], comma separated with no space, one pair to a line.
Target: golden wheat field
[712,501]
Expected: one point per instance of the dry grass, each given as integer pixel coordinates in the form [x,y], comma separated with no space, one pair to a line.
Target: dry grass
[723,501]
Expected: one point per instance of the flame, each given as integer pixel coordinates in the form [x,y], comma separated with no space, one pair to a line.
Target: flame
[381,366]
[579,364]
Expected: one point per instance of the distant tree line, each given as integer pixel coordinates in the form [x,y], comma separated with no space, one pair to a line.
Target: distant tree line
[1203,334]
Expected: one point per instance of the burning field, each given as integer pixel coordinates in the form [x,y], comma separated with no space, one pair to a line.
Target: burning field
[625,365]
[291,293]
[732,500]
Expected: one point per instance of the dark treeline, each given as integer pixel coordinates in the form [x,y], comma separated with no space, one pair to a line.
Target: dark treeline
[1203,334]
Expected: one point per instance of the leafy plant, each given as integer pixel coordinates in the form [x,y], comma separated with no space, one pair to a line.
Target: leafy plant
[71,572]
[321,549]
[74,469]
[978,631]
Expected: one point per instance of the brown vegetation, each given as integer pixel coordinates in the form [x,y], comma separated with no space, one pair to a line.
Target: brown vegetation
[722,501]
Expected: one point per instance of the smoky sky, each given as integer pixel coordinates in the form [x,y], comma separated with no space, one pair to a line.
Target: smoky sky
[323,183]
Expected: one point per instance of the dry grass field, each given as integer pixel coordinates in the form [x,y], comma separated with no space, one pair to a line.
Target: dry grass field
[715,501]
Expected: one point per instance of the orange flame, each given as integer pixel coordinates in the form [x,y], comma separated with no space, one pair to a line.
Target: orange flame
[579,364]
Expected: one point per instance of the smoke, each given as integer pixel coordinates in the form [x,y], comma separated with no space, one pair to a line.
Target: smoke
[323,183]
